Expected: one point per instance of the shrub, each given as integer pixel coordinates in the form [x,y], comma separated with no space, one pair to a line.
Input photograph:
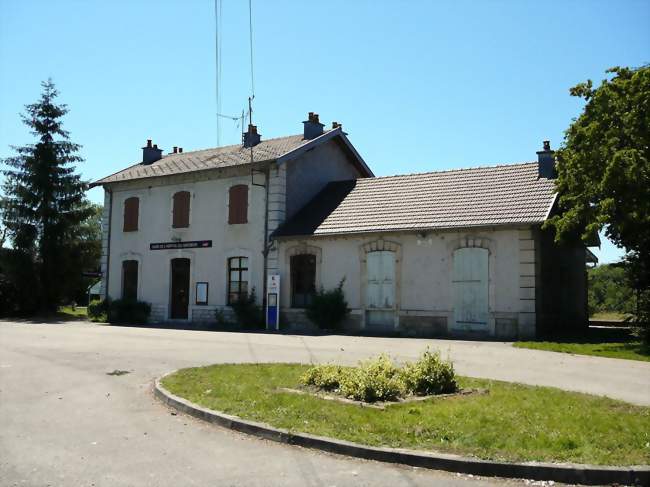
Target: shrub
[430,375]
[328,308]
[248,313]
[98,310]
[128,311]
[326,377]
[373,380]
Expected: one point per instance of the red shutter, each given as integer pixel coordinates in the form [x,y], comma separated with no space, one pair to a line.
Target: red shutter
[238,204]
[181,212]
[131,211]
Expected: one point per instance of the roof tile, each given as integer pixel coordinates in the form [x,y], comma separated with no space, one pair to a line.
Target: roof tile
[481,196]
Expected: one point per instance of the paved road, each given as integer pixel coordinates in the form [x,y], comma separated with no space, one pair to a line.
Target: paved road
[64,421]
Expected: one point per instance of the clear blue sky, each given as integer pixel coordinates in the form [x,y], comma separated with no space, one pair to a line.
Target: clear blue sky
[418,86]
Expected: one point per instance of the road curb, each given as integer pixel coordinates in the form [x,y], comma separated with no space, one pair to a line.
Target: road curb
[566,473]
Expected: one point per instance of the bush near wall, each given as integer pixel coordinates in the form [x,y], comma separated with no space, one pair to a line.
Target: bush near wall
[119,311]
[248,313]
[98,310]
[329,307]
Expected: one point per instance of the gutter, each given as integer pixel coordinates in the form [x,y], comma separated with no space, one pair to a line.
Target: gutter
[108,239]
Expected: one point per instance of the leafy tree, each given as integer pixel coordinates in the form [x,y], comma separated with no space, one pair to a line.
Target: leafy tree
[604,170]
[43,198]
[610,290]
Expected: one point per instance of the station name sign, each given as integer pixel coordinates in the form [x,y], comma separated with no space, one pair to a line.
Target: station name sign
[192,244]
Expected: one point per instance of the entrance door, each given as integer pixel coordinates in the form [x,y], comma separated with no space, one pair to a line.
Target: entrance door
[180,288]
[380,290]
[470,289]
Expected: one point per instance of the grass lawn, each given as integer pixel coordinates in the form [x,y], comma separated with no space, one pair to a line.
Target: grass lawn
[609,316]
[513,422]
[78,313]
[603,342]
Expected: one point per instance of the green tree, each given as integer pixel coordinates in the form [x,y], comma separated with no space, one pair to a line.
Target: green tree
[43,198]
[604,170]
[609,290]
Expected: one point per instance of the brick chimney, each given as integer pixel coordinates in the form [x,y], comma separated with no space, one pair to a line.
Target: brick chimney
[546,162]
[313,128]
[151,154]
[251,138]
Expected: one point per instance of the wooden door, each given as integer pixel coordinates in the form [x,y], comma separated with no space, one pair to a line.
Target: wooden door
[470,288]
[180,288]
[380,289]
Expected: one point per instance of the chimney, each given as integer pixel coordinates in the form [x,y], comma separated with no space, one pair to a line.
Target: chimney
[313,127]
[151,154]
[180,150]
[251,138]
[546,162]
[175,150]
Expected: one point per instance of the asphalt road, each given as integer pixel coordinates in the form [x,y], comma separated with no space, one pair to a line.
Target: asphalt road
[65,422]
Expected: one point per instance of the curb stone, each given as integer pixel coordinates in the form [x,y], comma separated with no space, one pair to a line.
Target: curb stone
[565,473]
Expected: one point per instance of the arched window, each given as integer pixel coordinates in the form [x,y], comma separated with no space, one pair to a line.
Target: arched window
[303,280]
[131,214]
[181,210]
[238,204]
[130,279]
[237,279]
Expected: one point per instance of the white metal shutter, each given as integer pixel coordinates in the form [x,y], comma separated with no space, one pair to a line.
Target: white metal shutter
[381,279]
[470,288]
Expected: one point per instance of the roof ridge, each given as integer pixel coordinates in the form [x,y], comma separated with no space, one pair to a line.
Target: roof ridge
[228,146]
[460,169]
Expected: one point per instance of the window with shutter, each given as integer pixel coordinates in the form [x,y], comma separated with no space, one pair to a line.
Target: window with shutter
[238,204]
[181,210]
[131,211]
[130,279]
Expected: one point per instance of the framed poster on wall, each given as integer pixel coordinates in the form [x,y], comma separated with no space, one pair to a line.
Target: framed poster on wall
[202,293]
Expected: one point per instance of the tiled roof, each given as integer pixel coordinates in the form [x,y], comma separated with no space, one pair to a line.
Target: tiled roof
[232,155]
[482,196]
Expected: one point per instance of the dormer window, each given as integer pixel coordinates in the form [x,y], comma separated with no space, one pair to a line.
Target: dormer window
[181,210]
[131,214]
[238,204]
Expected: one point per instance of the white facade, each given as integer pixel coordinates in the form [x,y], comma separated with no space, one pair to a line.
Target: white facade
[419,299]
[209,198]
[499,281]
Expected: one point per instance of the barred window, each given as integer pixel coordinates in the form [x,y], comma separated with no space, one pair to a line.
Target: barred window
[237,279]
[303,280]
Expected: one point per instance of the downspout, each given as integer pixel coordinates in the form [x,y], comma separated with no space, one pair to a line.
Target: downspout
[266,246]
[108,239]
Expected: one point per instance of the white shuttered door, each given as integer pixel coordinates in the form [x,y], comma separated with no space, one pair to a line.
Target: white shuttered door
[380,288]
[470,288]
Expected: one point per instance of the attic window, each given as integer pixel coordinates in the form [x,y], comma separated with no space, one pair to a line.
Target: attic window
[181,210]
[238,204]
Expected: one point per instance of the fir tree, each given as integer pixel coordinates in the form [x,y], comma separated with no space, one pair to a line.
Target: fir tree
[43,198]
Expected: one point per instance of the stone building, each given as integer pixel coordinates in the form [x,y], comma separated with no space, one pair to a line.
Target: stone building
[457,252]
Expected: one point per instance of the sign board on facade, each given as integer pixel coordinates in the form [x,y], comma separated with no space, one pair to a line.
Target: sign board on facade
[192,244]
[201,293]
[273,302]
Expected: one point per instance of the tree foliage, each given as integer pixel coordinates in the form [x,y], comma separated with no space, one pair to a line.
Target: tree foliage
[43,200]
[604,171]
[610,290]
[604,165]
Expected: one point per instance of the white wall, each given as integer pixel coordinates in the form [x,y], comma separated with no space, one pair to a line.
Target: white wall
[424,287]
[208,221]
